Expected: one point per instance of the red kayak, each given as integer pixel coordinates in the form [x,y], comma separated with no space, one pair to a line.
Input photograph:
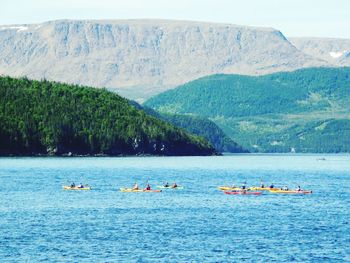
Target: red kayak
[242,193]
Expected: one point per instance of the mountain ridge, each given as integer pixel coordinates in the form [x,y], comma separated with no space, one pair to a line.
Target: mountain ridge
[140,58]
[336,51]
[140,21]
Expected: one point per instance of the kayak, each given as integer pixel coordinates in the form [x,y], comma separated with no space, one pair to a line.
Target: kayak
[130,190]
[258,188]
[242,193]
[170,187]
[292,192]
[227,188]
[66,187]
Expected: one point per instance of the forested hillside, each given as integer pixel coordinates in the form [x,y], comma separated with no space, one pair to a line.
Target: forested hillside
[202,127]
[306,110]
[42,117]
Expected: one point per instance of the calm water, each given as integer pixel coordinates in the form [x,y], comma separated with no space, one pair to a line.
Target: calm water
[41,222]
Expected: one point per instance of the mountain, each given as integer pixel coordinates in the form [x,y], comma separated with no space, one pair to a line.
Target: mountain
[49,118]
[335,51]
[306,110]
[140,58]
[199,126]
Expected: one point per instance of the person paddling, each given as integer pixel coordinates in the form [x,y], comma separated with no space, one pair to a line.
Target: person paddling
[174,185]
[166,184]
[148,187]
[299,188]
[135,187]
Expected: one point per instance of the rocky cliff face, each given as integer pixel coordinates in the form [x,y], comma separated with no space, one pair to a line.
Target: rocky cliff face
[140,58]
[335,51]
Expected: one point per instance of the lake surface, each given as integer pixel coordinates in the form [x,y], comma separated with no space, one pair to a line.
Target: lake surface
[41,222]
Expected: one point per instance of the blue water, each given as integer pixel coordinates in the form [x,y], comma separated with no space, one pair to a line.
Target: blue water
[41,222]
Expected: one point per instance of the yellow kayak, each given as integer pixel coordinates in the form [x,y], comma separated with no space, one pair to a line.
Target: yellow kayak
[130,190]
[292,192]
[66,187]
[258,188]
[228,188]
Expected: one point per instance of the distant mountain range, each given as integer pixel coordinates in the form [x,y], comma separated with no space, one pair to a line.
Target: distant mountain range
[306,110]
[335,51]
[141,58]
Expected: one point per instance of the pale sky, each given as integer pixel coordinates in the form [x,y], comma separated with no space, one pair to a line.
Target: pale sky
[322,18]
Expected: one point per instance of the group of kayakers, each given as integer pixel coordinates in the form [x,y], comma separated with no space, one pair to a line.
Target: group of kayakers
[148,186]
[136,187]
[271,186]
[167,185]
[286,188]
[72,185]
[257,190]
[242,187]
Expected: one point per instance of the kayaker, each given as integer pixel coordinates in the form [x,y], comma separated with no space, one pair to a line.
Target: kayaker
[80,185]
[166,184]
[174,185]
[272,186]
[148,187]
[285,188]
[262,185]
[243,186]
[135,187]
[72,185]
[299,188]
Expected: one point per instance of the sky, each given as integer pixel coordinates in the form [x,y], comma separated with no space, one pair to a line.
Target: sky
[316,18]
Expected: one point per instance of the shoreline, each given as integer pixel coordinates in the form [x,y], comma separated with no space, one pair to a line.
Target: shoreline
[167,156]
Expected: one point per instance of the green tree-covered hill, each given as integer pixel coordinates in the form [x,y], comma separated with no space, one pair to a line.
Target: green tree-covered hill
[42,117]
[306,110]
[205,128]
[199,126]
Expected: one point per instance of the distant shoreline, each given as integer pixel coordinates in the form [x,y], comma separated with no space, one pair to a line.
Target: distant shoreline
[165,156]
[100,155]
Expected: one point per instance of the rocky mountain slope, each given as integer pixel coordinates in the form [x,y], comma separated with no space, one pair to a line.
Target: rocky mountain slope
[139,58]
[335,51]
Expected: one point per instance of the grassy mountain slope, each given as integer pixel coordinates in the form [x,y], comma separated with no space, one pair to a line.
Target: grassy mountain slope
[308,109]
[54,118]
